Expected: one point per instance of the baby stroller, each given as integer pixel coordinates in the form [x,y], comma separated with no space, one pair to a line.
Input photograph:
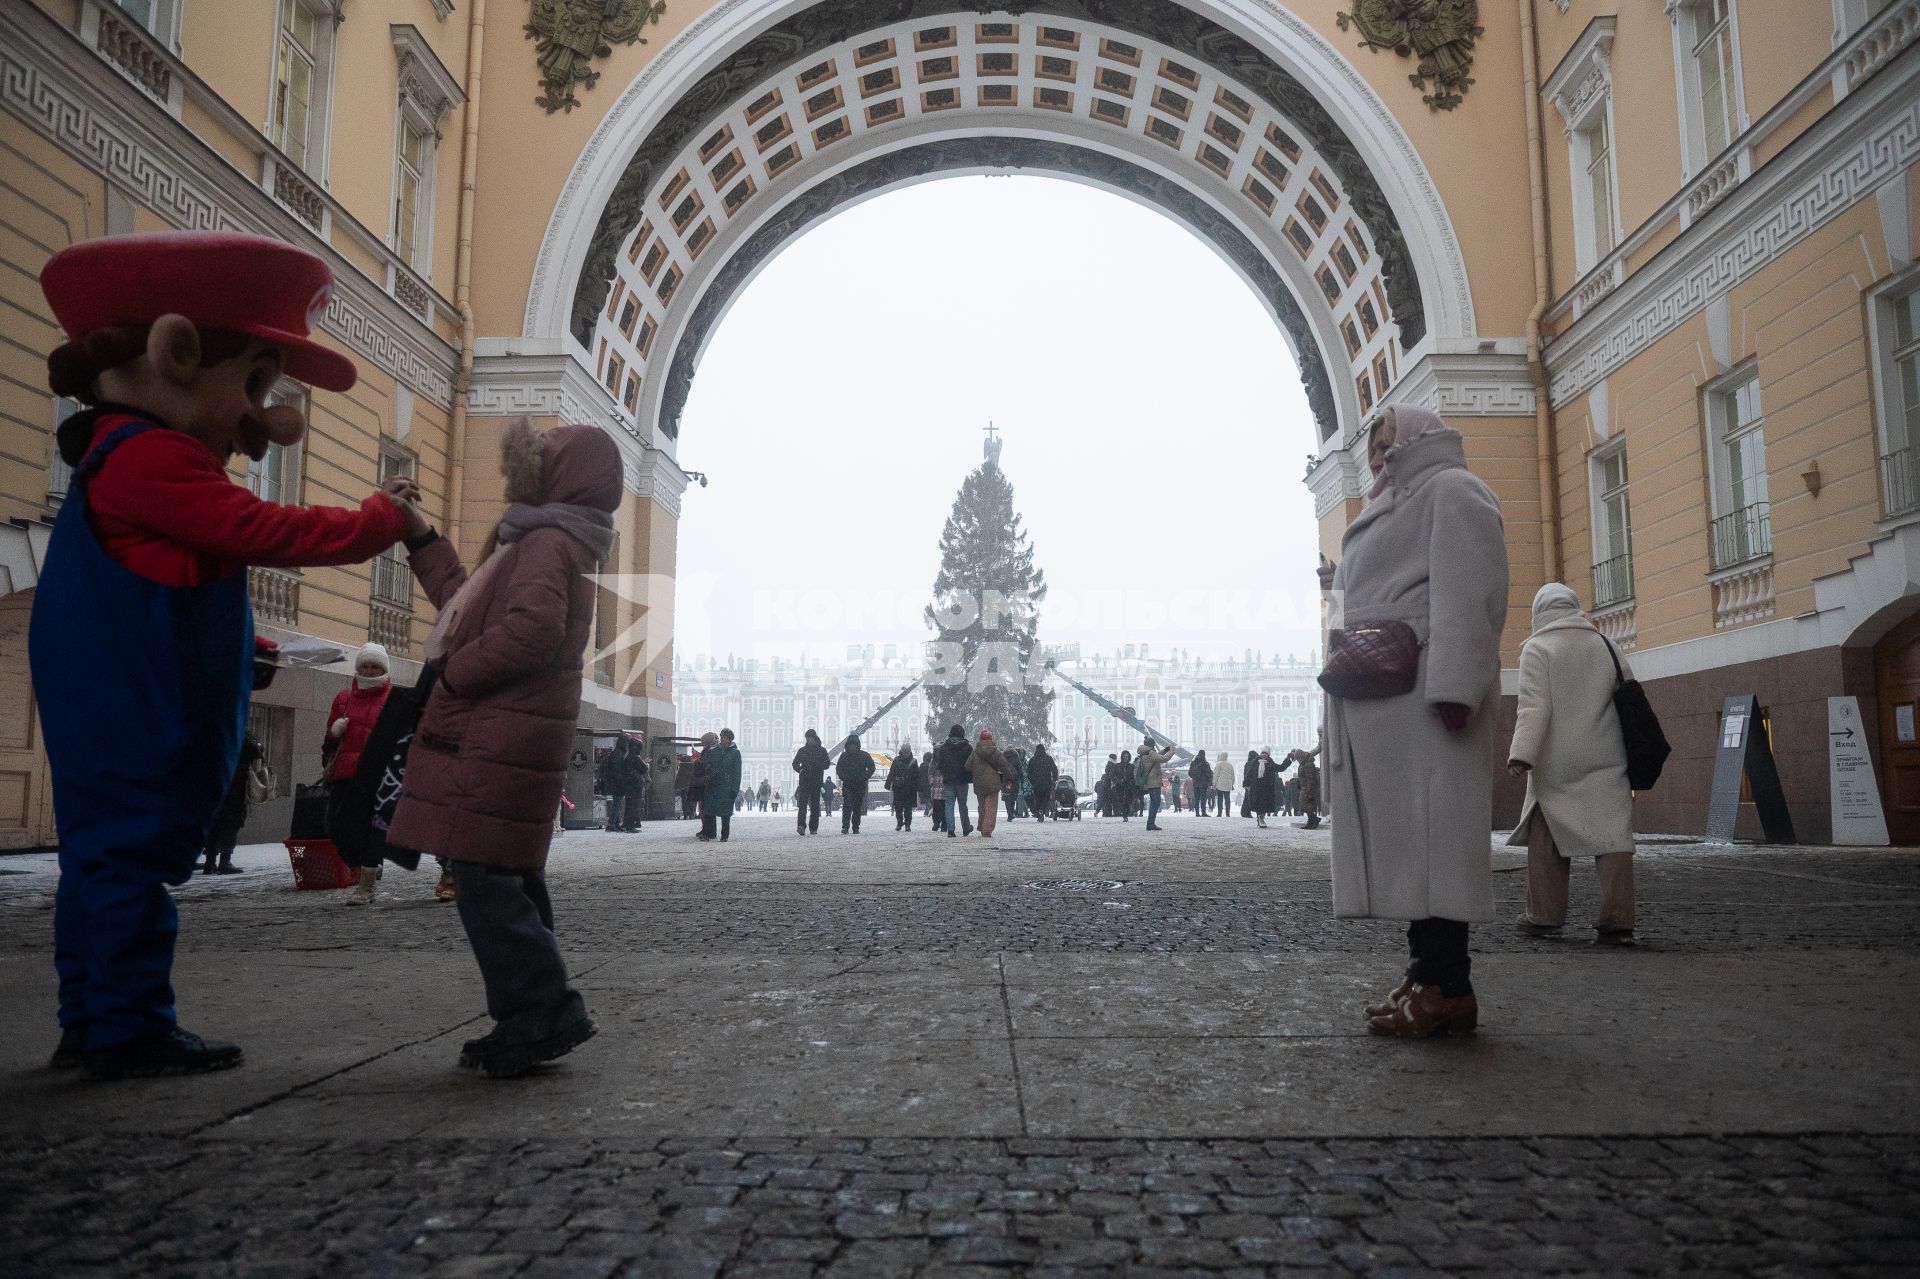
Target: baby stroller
[1066,801]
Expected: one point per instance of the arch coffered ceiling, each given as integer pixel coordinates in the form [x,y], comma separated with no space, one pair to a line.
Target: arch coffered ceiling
[836,102]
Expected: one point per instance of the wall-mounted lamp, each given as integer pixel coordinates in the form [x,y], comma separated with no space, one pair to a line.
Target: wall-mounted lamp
[1811,477]
[690,476]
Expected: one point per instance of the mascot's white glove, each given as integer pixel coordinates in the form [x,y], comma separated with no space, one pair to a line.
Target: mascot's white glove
[338,728]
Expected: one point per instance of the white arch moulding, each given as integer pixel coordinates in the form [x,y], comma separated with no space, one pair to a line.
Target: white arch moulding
[1393,164]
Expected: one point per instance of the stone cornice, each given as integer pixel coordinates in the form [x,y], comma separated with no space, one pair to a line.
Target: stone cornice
[1333,478]
[559,386]
[424,79]
[73,98]
[1468,384]
[1871,137]
[1584,75]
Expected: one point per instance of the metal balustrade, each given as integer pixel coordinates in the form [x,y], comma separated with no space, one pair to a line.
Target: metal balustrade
[1613,580]
[1738,536]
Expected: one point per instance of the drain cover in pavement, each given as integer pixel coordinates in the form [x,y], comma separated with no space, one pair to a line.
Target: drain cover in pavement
[1078,885]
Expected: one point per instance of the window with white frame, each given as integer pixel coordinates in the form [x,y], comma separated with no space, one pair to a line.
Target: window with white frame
[411,158]
[1612,528]
[1707,56]
[1594,152]
[1899,324]
[276,477]
[302,70]
[392,578]
[59,474]
[1741,527]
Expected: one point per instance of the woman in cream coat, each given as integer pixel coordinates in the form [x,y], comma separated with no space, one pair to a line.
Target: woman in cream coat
[1566,743]
[1412,775]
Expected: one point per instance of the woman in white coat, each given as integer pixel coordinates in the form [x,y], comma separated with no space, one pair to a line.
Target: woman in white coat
[1412,775]
[1566,743]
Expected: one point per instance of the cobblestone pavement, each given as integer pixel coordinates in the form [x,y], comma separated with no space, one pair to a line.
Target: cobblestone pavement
[908,1055]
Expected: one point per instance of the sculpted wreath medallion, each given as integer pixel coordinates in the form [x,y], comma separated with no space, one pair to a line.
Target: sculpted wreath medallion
[1440,33]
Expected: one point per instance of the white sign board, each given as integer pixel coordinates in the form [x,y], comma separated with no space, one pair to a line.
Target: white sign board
[1857,815]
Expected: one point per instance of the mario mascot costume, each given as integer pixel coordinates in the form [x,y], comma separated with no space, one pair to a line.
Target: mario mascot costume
[141,641]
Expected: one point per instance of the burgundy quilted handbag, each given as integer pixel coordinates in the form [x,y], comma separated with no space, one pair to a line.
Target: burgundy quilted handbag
[1376,659]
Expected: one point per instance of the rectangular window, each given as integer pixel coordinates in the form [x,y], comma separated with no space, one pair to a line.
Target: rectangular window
[1612,536]
[1713,65]
[297,77]
[392,579]
[59,474]
[1741,529]
[1900,463]
[276,477]
[1599,195]
[410,180]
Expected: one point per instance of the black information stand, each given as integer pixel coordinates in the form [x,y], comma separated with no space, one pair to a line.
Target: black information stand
[1746,752]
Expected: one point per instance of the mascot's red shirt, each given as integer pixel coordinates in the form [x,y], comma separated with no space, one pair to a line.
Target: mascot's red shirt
[163,506]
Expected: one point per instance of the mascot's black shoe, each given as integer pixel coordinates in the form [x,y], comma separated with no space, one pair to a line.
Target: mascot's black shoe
[175,1053]
[72,1049]
[510,1058]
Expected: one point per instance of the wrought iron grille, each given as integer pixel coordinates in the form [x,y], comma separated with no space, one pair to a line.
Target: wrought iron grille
[1745,534]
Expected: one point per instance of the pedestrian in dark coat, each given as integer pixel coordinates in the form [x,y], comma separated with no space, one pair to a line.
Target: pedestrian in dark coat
[903,783]
[1264,794]
[489,757]
[613,781]
[854,768]
[633,784]
[955,779]
[811,763]
[699,772]
[1200,773]
[1103,789]
[232,813]
[1249,774]
[930,796]
[1042,773]
[723,787]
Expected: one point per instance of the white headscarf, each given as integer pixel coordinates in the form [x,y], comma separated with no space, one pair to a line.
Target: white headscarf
[1406,423]
[1552,602]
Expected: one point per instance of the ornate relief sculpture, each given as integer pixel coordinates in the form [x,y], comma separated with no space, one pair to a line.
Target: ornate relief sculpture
[572,33]
[1438,32]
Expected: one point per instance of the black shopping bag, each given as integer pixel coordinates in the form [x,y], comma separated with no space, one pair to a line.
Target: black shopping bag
[310,810]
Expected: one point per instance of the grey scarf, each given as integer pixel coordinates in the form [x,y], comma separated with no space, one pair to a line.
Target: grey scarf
[589,525]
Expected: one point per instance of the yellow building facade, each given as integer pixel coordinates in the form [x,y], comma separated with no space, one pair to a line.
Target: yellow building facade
[1654,260]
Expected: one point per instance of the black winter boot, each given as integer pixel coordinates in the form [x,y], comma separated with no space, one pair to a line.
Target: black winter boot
[177,1052]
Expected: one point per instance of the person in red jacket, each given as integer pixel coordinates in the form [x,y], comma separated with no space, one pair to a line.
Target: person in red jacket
[350,720]
[141,618]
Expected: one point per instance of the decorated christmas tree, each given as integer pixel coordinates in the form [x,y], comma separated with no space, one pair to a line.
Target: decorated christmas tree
[984,667]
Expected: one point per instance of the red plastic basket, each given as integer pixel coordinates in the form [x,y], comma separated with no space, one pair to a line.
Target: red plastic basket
[317,865]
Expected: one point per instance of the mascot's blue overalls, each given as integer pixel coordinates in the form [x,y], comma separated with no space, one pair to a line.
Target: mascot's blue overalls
[143,692]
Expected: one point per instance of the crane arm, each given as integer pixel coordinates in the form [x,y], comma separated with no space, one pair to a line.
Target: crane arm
[1125,716]
[871,720]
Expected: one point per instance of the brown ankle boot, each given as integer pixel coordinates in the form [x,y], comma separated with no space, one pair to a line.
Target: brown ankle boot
[1394,996]
[1425,1012]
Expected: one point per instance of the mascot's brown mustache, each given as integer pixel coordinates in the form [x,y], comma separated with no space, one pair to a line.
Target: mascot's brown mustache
[276,424]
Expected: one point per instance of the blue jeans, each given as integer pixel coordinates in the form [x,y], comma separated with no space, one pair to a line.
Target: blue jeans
[957,804]
[613,812]
[1153,805]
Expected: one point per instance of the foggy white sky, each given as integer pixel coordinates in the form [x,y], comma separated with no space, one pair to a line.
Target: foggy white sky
[1154,423]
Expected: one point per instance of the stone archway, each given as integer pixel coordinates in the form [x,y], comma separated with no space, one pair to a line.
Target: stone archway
[765,118]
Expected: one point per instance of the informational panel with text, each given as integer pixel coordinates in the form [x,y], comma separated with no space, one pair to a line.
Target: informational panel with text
[1857,815]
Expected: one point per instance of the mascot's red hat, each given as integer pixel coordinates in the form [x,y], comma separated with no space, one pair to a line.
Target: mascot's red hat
[219,280]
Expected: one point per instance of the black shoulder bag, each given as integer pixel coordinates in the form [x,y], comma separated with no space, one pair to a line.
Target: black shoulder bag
[1646,744]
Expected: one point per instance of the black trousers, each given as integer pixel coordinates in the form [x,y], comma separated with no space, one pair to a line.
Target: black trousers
[806,808]
[509,923]
[1438,948]
[903,810]
[708,820]
[853,802]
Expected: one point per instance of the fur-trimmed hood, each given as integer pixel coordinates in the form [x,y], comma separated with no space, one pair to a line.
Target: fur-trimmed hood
[578,465]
